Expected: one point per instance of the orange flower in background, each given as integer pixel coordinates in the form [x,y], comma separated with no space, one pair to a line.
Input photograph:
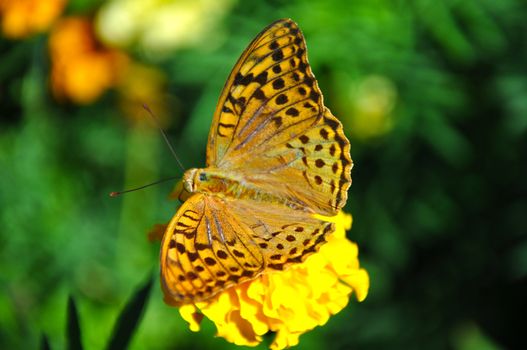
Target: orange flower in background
[290,302]
[81,68]
[21,18]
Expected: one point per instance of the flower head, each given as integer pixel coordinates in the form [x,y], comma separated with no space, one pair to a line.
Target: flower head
[21,18]
[289,302]
[81,68]
[373,99]
[158,27]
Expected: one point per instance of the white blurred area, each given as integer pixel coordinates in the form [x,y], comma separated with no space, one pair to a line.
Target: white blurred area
[159,27]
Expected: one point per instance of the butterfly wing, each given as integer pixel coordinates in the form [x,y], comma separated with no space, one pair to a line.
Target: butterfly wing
[213,243]
[312,169]
[284,235]
[272,130]
[260,86]
[272,127]
[205,250]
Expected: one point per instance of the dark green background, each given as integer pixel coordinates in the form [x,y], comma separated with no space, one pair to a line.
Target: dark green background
[439,198]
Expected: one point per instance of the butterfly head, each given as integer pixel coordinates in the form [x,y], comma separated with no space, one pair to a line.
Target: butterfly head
[192,179]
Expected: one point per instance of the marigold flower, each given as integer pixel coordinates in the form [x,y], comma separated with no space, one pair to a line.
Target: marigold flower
[289,302]
[21,18]
[82,69]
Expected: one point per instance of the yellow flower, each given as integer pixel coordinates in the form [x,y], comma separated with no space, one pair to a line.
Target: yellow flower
[289,302]
[82,69]
[144,84]
[21,18]
[373,99]
[159,27]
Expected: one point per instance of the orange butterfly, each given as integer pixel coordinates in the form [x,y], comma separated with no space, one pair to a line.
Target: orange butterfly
[276,157]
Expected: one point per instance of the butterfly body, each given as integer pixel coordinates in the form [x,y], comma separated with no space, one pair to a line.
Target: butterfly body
[224,184]
[278,164]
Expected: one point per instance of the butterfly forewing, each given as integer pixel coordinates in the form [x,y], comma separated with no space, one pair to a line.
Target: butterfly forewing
[271,93]
[206,249]
[271,125]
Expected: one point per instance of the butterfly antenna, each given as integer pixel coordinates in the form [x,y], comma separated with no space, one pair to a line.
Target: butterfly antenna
[145,106]
[115,194]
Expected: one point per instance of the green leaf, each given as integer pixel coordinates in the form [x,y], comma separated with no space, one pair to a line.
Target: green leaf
[129,318]
[73,331]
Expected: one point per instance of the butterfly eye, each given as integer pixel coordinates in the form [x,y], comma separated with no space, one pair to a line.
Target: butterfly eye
[202,177]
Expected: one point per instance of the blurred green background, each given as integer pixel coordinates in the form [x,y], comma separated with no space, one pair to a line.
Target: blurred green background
[433,96]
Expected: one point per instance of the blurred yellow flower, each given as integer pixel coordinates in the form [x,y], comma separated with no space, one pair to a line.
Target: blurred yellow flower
[145,85]
[159,26]
[21,18]
[289,302]
[81,68]
[373,100]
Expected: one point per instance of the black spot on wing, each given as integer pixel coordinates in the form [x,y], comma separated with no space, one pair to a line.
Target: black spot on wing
[293,112]
[281,99]
[277,55]
[261,78]
[243,80]
[278,84]
[259,94]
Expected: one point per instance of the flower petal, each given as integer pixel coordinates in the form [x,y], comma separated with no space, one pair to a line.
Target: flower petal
[293,301]
[187,312]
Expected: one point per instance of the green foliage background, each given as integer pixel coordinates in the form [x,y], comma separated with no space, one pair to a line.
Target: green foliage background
[439,193]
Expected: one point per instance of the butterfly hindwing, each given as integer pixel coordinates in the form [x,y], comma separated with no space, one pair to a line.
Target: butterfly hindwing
[284,235]
[312,169]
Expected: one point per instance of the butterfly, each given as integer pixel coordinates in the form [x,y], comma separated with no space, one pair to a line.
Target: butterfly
[278,162]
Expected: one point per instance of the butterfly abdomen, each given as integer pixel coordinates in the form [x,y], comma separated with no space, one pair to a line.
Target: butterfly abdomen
[221,184]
